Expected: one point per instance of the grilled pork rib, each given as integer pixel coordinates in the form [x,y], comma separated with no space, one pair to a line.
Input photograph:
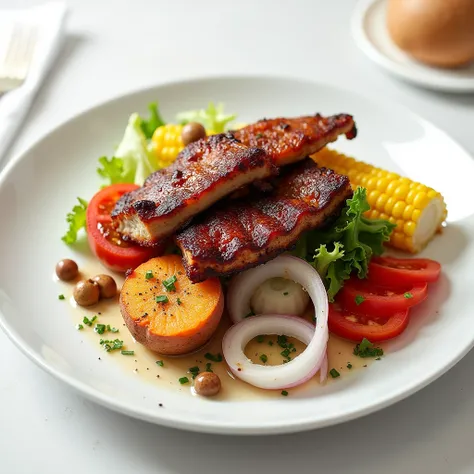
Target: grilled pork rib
[233,236]
[211,168]
[204,172]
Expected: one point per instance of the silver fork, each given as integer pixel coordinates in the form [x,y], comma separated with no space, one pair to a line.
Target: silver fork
[17,58]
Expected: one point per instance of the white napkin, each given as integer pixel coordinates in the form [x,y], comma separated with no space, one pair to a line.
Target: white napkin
[49,22]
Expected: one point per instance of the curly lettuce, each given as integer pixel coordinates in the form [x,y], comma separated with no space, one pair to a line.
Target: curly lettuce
[213,118]
[347,246]
[76,220]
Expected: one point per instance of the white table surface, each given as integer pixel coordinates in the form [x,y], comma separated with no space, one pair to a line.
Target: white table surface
[119,45]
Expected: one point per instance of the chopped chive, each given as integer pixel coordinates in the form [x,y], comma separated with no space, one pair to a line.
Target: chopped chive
[294,349]
[127,353]
[270,343]
[251,313]
[87,321]
[359,299]
[366,349]
[183,380]
[282,341]
[61,297]
[160,363]
[178,301]
[111,345]
[285,293]
[161,299]
[99,328]
[169,283]
[349,365]
[149,275]
[194,370]
[378,358]
[285,353]
[208,367]
[334,373]
[79,327]
[264,358]
[284,393]
[212,357]
[408,295]
[260,338]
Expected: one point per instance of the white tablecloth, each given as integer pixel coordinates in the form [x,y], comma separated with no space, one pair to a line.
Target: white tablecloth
[118,45]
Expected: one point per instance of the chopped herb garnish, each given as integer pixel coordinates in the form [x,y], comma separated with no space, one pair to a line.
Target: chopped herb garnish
[109,345]
[161,299]
[282,341]
[284,393]
[270,343]
[160,363]
[178,301]
[99,328]
[208,367]
[285,353]
[366,349]
[214,358]
[87,321]
[109,329]
[285,293]
[334,373]
[127,353]
[408,295]
[378,358]
[251,313]
[260,338]
[359,299]
[349,365]
[61,297]
[194,370]
[149,275]
[169,283]
[183,380]
[79,327]
[263,358]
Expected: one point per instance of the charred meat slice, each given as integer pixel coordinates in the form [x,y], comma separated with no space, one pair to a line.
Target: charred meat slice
[233,236]
[203,173]
[291,139]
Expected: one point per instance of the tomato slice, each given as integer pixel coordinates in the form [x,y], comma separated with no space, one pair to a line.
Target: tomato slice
[105,242]
[357,326]
[395,272]
[371,299]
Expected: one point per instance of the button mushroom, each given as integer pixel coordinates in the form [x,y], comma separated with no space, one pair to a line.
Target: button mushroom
[207,384]
[192,132]
[86,292]
[67,269]
[107,285]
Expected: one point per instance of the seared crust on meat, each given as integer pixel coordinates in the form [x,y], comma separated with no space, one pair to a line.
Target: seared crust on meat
[233,236]
[203,172]
[291,139]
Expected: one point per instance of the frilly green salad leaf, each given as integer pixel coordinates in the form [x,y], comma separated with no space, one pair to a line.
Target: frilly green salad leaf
[347,245]
[76,220]
[132,161]
[212,118]
[149,126]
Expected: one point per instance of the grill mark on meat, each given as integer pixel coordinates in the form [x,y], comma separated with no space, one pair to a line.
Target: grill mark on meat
[233,236]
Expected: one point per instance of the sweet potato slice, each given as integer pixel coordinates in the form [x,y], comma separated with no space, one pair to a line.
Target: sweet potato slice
[165,312]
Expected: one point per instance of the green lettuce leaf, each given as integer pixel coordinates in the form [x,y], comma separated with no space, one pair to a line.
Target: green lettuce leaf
[149,126]
[213,118]
[132,161]
[76,220]
[347,246]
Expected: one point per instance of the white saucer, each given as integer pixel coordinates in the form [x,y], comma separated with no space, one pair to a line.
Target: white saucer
[371,35]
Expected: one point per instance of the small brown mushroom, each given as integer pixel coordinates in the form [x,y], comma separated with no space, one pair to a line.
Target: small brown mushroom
[67,269]
[207,384]
[86,292]
[107,285]
[192,132]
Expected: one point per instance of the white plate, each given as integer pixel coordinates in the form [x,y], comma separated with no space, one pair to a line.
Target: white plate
[371,34]
[38,189]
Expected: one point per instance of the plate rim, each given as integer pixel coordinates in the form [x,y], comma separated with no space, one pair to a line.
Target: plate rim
[215,427]
[362,40]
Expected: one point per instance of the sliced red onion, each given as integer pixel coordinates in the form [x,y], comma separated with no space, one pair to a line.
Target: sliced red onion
[323,372]
[301,368]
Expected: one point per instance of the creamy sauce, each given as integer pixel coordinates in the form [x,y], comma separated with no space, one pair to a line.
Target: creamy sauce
[143,362]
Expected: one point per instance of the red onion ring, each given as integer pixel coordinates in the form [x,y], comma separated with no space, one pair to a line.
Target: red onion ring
[301,368]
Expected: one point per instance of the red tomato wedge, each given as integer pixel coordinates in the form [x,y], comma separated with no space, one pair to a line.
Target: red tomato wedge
[398,272]
[368,298]
[355,327]
[106,243]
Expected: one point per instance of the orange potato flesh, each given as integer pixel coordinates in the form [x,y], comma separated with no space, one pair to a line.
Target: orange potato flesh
[183,323]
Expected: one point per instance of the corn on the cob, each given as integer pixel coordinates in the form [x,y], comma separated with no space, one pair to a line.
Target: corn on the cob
[167,143]
[417,210]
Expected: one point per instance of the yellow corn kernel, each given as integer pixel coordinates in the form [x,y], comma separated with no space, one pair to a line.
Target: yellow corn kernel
[392,197]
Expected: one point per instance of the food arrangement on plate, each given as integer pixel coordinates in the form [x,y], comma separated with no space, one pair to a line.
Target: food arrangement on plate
[253,240]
